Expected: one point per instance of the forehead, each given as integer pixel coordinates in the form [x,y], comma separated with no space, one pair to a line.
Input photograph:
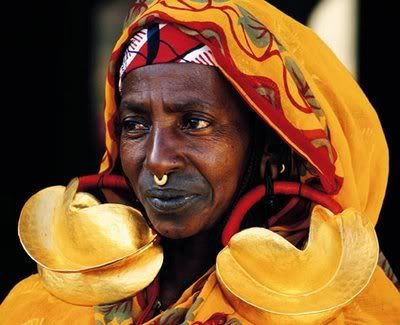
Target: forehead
[181,79]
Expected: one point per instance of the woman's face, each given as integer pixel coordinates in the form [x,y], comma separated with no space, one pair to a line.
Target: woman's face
[182,120]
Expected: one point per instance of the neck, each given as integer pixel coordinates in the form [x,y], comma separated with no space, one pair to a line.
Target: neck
[186,260]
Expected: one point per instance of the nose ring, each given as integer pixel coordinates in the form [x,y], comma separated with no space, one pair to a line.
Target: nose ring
[162,181]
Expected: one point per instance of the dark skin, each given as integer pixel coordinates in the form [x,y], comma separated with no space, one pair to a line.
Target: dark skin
[182,121]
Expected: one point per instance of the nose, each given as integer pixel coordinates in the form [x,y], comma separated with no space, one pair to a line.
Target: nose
[163,152]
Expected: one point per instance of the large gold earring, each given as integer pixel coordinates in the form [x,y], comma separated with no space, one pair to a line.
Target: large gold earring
[162,181]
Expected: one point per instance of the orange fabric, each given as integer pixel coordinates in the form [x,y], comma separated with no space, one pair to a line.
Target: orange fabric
[291,79]
[30,303]
[379,303]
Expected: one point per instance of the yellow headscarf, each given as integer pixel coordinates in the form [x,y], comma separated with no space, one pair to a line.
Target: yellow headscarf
[291,79]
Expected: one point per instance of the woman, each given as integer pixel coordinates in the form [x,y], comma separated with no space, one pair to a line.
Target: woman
[225,118]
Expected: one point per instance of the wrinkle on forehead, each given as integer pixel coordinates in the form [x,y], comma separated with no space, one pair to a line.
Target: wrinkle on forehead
[180,85]
[184,76]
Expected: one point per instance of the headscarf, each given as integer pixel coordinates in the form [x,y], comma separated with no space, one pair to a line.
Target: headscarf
[163,43]
[290,78]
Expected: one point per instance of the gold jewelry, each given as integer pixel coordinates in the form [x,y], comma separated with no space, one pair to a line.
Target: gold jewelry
[88,253]
[162,181]
[339,271]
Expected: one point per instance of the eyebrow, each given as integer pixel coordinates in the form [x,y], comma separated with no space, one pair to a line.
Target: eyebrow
[182,106]
[189,105]
[133,106]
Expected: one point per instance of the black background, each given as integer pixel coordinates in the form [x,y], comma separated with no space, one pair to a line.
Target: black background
[47,128]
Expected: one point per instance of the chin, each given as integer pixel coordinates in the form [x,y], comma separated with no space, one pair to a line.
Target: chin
[174,231]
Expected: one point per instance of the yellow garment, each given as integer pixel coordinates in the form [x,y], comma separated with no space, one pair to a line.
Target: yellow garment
[30,303]
[299,88]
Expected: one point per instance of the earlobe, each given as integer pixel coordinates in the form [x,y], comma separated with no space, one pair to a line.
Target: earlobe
[279,159]
[282,168]
[269,165]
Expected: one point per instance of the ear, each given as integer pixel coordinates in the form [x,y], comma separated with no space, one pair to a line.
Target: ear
[273,165]
[279,156]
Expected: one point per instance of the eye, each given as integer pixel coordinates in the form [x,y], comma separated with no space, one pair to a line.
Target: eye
[133,125]
[195,123]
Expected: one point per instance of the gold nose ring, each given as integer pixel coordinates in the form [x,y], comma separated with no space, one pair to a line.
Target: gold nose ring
[162,181]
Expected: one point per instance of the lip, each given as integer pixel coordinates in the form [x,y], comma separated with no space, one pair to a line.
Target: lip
[169,200]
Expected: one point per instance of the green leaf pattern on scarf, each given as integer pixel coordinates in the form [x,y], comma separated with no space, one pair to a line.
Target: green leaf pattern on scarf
[115,313]
[136,9]
[303,87]
[258,33]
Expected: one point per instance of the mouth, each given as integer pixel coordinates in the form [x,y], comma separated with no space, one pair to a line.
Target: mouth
[169,200]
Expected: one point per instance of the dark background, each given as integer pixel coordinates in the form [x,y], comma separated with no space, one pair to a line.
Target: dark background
[47,124]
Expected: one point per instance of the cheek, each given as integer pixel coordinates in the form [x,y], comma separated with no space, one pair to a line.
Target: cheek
[222,163]
[233,160]
[131,155]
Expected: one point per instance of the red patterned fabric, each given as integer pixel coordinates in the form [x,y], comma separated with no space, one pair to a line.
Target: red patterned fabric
[163,43]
